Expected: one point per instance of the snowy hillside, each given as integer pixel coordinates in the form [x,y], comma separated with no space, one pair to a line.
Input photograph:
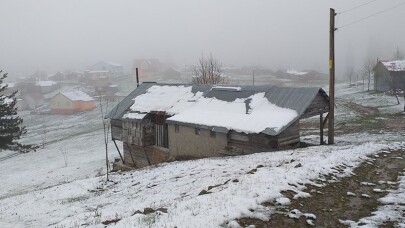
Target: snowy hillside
[62,185]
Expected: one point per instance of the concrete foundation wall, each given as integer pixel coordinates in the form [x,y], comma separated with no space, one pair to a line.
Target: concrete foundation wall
[142,156]
[186,144]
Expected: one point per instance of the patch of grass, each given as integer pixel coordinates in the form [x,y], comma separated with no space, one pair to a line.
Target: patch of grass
[74,199]
[204,192]
[108,222]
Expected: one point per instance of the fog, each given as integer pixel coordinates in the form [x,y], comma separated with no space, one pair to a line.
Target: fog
[54,35]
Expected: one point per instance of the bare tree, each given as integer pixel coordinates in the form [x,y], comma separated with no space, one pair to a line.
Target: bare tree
[43,133]
[350,73]
[208,71]
[106,128]
[63,151]
[367,72]
[399,55]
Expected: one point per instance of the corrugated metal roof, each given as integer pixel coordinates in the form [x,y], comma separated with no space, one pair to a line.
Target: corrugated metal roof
[118,111]
[295,98]
[397,65]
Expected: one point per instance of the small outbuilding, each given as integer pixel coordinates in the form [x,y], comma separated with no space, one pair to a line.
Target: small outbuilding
[66,103]
[389,75]
[164,122]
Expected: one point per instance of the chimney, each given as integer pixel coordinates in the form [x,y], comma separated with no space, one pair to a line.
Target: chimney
[137,77]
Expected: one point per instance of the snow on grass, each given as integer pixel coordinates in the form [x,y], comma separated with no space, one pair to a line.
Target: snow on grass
[392,207]
[283,201]
[38,190]
[74,150]
[350,194]
[232,191]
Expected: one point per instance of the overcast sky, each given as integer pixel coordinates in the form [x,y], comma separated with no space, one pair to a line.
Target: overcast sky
[56,35]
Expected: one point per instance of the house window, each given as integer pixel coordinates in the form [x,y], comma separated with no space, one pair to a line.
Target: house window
[213,134]
[161,135]
[197,131]
[176,128]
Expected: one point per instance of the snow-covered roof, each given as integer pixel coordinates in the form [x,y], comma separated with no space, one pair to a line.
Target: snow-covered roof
[248,115]
[7,100]
[114,64]
[77,96]
[45,83]
[135,116]
[240,108]
[169,99]
[107,63]
[98,71]
[294,72]
[397,65]
[9,84]
[226,88]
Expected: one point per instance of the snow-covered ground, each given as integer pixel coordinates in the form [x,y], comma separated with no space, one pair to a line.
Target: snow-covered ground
[61,186]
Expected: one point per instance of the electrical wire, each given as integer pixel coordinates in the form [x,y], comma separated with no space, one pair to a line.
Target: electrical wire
[348,10]
[372,15]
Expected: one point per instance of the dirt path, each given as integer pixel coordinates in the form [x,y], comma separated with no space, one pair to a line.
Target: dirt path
[351,198]
[356,107]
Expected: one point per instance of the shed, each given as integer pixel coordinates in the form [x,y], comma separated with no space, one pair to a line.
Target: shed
[71,102]
[389,75]
[162,122]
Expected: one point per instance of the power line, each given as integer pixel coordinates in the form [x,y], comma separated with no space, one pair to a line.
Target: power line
[372,15]
[345,11]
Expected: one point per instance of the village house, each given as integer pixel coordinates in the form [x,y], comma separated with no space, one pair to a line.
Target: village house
[300,75]
[30,101]
[11,86]
[47,86]
[58,76]
[93,76]
[105,88]
[112,68]
[148,67]
[165,122]
[389,75]
[65,103]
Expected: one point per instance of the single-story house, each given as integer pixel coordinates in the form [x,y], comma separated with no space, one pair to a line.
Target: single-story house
[71,102]
[300,75]
[58,76]
[97,75]
[163,122]
[47,86]
[105,88]
[11,86]
[113,68]
[389,75]
[147,67]
[30,101]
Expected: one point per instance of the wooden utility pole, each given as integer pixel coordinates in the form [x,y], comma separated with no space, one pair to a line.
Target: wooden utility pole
[331,121]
